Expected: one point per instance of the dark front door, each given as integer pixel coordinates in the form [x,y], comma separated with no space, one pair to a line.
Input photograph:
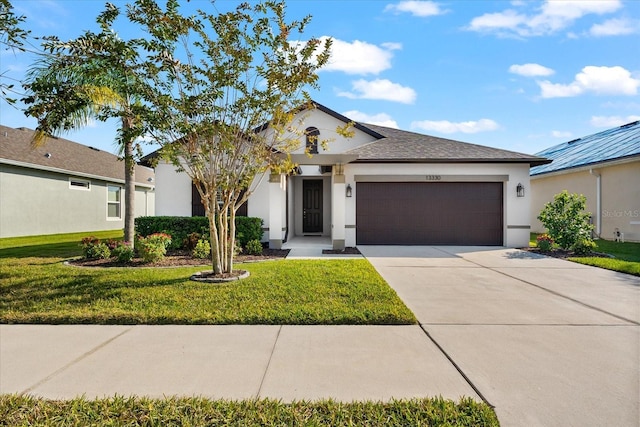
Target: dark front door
[312,206]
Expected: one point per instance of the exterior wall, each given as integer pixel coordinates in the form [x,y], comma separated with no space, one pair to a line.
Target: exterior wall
[173,191]
[327,125]
[145,202]
[258,203]
[516,209]
[620,197]
[38,202]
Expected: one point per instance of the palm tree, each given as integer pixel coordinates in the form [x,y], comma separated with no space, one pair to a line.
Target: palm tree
[90,78]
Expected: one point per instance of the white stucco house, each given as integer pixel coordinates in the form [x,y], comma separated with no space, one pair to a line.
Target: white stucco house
[64,187]
[382,186]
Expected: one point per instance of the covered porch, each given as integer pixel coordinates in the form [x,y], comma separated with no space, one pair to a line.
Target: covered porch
[311,203]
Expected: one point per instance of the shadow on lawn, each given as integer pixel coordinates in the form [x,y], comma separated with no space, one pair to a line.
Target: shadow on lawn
[47,250]
[59,298]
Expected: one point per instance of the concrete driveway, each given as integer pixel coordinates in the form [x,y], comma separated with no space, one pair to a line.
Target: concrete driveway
[547,342]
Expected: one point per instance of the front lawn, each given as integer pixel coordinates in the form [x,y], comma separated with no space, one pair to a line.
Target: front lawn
[626,256]
[36,287]
[120,411]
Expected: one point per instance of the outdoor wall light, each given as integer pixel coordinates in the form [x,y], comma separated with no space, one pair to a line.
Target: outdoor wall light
[349,190]
[520,190]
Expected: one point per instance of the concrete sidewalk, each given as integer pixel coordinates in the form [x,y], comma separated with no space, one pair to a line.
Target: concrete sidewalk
[233,362]
[547,341]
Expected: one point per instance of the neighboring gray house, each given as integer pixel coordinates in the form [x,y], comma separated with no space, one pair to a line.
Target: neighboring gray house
[382,186]
[63,187]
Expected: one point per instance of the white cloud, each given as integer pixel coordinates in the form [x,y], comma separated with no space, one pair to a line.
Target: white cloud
[551,17]
[380,89]
[599,80]
[416,8]
[380,119]
[612,121]
[560,134]
[445,126]
[360,57]
[615,27]
[530,70]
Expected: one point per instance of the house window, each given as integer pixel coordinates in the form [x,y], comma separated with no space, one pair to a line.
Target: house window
[79,184]
[197,208]
[114,195]
[312,139]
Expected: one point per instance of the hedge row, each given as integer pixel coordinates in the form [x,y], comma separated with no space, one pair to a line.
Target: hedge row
[180,227]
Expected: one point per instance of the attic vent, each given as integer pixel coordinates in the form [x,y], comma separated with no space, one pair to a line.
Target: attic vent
[628,125]
[95,149]
[573,141]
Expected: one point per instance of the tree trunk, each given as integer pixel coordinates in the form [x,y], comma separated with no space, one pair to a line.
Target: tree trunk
[213,235]
[129,186]
[232,240]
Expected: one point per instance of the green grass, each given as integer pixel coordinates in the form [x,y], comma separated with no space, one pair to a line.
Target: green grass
[626,256]
[37,288]
[52,245]
[134,411]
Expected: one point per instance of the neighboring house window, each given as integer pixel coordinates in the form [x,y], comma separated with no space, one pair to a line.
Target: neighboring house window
[312,139]
[114,194]
[79,184]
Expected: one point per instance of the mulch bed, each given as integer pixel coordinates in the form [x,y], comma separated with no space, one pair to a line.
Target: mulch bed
[562,254]
[180,259]
[345,251]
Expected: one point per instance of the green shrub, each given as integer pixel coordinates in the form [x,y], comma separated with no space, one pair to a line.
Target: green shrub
[182,227]
[92,248]
[254,247]
[179,227]
[247,229]
[566,220]
[584,246]
[153,248]
[192,241]
[123,252]
[202,249]
[545,242]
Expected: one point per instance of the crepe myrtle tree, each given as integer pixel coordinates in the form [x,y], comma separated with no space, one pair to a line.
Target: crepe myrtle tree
[225,90]
[92,77]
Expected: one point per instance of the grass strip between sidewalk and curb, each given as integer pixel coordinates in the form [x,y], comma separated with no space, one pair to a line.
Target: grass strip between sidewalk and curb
[135,411]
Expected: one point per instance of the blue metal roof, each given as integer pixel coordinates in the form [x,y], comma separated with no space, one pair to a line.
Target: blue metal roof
[611,144]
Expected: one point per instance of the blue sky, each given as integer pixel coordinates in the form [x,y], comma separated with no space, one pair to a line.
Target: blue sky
[518,75]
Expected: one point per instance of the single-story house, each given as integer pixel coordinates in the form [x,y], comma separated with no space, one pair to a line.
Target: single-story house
[605,168]
[64,187]
[382,186]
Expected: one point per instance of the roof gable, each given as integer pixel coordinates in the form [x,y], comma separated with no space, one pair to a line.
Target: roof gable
[62,155]
[403,146]
[612,144]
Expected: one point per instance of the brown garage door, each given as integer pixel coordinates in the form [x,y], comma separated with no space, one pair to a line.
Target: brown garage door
[419,213]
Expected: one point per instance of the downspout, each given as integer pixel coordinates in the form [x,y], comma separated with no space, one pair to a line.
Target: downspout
[598,201]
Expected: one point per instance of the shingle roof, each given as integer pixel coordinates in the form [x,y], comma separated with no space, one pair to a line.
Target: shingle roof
[402,146]
[65,156]
[612,144]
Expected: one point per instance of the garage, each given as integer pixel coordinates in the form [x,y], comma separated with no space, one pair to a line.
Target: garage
[429,213]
